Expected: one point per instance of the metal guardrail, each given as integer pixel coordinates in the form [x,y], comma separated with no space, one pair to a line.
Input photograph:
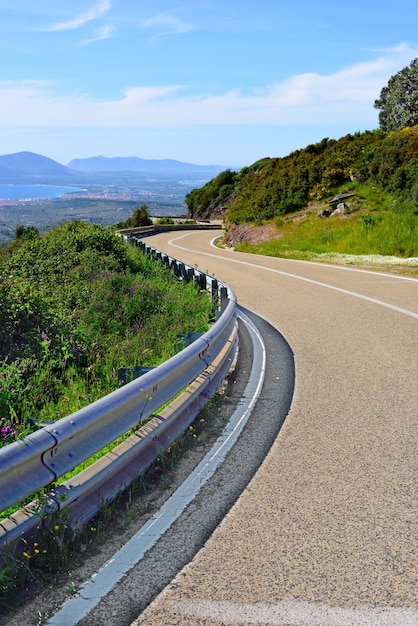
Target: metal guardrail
[44,456]
[143,231]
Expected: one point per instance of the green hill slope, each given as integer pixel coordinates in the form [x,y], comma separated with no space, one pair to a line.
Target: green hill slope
[77,304]
[377,171]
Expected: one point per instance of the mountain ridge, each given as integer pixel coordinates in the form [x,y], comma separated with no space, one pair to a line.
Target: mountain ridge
[29,163]
[137,164]
[30,167]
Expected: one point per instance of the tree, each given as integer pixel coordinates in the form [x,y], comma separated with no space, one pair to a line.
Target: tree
[398,102]
[140,217]
[26,232]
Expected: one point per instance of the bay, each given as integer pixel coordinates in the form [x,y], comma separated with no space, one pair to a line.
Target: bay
[26,192]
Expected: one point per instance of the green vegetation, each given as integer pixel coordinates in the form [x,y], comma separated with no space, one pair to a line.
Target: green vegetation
[203,201]
[165,221]
[398,102]
[76,304]
[384,231]
[140,217]
[380,168]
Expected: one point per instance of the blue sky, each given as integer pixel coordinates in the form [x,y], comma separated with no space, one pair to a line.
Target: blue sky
[211,81]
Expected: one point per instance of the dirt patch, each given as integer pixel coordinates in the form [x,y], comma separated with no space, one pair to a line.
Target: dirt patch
[247,233]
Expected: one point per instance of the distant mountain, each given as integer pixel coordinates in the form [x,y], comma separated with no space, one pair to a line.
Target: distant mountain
[30,166]
[158,167]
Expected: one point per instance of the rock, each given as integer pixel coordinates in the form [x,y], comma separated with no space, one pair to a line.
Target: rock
[335,201]
[324,213]
[357,176]
[341,209]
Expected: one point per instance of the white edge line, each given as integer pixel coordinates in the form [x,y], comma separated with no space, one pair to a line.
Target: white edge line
[306,280]
[102,582]
[330,265]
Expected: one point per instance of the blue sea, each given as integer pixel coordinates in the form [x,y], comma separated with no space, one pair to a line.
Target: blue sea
[23,192]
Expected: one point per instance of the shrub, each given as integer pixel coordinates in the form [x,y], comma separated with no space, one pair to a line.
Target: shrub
[76,304]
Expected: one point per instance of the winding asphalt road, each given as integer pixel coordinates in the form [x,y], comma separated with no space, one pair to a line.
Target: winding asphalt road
[326,532]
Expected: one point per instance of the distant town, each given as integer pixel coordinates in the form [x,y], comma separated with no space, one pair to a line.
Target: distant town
[109,189]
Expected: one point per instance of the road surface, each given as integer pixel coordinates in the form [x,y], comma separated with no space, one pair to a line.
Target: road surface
[326,532]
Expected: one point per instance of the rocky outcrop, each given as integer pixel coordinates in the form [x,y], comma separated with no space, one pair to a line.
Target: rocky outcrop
[337,206]
[336,200]
[324,213]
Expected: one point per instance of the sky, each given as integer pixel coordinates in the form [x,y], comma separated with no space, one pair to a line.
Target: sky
[223,82]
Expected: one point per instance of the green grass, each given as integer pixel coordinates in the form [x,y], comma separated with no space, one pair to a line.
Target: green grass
[76,305]
[377,225]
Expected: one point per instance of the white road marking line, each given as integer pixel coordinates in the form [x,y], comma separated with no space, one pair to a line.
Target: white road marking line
[332,266]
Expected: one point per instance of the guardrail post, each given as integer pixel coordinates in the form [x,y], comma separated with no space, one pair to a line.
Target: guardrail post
[203,281]
[200,280]
[182,270]
[223,298]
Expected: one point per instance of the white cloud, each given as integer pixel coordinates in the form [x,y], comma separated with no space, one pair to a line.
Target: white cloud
[99,35]
[98,9]
[344,97]
[137,96]
[166,25]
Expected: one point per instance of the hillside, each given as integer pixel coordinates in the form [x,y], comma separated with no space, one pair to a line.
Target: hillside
[76,304]
[374,174]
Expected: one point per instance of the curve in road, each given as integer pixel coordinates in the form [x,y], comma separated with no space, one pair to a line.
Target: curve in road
[326,532]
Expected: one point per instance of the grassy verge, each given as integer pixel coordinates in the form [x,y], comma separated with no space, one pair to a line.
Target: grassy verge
[76,305]
[377,229]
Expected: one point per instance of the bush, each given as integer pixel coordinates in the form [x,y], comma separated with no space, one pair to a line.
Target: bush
[75,305]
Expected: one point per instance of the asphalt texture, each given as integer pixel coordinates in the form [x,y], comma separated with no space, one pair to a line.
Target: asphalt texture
[325,534]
